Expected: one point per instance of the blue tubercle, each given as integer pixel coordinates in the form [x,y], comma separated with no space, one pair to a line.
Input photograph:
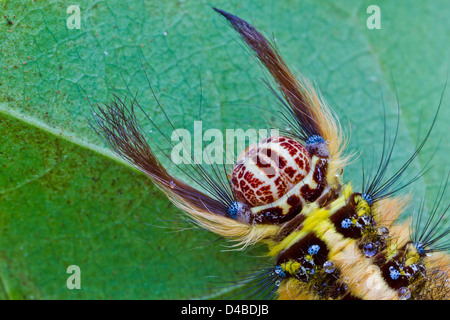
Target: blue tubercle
[314,249]
[233,209]
[314,139]
[420,248]
[346,223]
[279,271]
[394,273]
[368,198]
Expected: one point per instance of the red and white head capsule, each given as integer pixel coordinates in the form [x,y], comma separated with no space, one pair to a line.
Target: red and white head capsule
[265,172]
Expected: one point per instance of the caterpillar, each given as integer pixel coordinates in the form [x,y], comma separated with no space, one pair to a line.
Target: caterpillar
[325,238]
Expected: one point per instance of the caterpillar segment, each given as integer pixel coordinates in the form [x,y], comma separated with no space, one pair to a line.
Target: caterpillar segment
[326,240]
[340,251]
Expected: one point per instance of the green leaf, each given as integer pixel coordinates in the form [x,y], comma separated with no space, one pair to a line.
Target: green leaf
[66,200]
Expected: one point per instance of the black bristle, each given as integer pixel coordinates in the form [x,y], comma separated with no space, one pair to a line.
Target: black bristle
[379,187]
[297,111]
[433,235]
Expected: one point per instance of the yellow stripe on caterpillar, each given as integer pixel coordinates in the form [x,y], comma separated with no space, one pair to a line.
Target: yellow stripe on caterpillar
[313,221]
[290,267]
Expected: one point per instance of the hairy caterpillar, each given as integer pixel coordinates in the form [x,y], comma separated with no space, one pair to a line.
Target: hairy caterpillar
[327,240]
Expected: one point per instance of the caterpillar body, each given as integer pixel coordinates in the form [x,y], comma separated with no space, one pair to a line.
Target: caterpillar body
[326,239]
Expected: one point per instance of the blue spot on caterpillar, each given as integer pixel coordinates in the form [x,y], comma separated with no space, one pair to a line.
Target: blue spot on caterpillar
[314,139]
[279,271]
[368,198]
[233,210]
[420,248]
[314,249]
[346,223]
[394,273]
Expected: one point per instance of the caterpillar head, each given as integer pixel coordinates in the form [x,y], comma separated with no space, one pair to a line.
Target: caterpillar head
[265,172]
[275,178]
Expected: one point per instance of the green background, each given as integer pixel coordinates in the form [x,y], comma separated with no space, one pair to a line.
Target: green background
[65,199]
